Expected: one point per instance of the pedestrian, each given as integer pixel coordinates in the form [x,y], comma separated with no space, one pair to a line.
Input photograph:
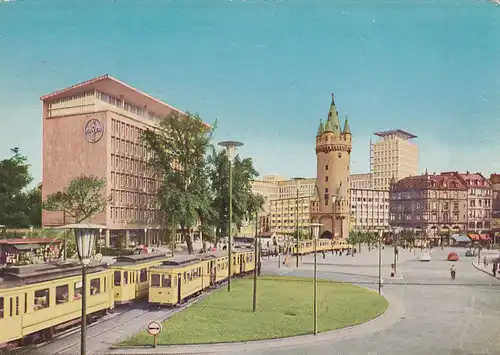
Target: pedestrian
[485,261]
[495,266]
[323,252]
[453,272]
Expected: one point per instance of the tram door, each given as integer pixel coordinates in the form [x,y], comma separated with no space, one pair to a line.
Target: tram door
[242,264]
[212,273]
[179,290]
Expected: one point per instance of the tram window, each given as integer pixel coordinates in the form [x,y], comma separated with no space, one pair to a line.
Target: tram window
[105,283]
[41,299]
[144,275]
[17,306]
[125,277]
[61,294]
[166,281]
[155,280]
[25,303]
[1,307]
[95,286]
[11,307]
[77,291]
[117,278]
[199,271]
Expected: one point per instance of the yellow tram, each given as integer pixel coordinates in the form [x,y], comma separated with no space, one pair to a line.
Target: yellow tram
[130,277]
[183,277]
[37,300]
[307,246]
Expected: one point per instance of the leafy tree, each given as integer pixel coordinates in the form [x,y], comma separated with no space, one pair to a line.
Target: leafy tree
[14,178]
[179,145]
[34,207]
[245,203]
[81,199]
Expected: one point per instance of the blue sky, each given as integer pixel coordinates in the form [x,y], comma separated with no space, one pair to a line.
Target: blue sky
[266,70]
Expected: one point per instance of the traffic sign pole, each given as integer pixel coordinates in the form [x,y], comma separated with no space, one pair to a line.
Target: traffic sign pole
[154,329]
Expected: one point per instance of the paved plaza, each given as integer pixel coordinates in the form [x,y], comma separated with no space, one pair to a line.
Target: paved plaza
[428,313]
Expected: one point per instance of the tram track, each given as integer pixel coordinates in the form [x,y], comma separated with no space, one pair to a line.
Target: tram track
[116,323]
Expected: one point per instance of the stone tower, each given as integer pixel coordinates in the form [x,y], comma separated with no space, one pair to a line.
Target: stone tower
[333,153]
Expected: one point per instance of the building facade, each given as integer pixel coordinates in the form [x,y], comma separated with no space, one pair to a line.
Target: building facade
[438,206]
[361,181]
[394,154]
[479,204]
[284,213]
[330,205]
[94,128]
[369,210]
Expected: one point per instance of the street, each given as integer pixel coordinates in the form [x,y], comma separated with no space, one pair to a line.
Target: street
[428,313]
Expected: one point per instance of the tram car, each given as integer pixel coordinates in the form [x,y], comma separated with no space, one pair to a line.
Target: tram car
[38,300]
[131,275]
[323,245]
[183,277]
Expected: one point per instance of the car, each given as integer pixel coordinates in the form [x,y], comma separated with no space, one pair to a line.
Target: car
[425,257]
[452,257]
[470,252]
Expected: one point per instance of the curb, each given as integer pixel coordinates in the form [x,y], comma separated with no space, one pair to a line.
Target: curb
[485,271]
[390,316]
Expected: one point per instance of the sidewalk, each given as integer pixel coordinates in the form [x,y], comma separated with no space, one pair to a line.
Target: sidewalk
[487,270]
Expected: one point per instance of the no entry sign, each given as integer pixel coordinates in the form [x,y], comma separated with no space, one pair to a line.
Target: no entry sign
[154,328]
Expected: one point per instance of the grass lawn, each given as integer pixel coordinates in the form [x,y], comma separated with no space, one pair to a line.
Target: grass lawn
[284,308]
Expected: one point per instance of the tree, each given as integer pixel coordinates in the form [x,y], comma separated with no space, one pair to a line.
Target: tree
[14,178]
[81,199]
[179,146]
[34,207]
[245,203]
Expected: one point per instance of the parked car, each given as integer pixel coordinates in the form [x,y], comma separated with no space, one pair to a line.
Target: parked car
[452,257]
[425,257]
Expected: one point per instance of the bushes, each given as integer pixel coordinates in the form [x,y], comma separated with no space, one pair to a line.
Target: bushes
[105,251]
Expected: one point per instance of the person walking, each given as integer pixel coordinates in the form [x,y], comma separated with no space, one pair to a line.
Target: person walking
[453,272]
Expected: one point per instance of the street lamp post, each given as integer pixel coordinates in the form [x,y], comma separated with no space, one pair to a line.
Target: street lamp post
[145,236]
[85,236]
[257,261]
[380,231]
[230,147]
[334,199]
[315,231]
[297,179]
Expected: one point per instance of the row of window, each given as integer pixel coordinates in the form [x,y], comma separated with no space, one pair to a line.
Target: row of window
[120,214]
[123,164]
[130,277]
[42,297]
[120,128]
[137,199]
[124,147]
[133,182]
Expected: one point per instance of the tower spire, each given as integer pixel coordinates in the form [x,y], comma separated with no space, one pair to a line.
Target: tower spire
[347,129]
[321,128]
[333,118]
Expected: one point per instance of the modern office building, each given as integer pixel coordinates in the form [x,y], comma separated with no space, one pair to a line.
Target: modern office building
[361,181]
[330,205]
[369,210]
[284,213]
[94,128]
[393,155]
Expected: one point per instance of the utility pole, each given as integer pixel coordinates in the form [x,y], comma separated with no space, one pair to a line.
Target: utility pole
[257,262]
[380,259]
[297,226]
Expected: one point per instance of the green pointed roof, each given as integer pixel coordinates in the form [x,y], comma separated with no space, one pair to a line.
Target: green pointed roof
[333,118]
[328,126]
[347,129]
[321,128]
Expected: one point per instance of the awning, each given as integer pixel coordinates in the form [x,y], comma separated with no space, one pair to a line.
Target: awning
[484,237]
[474,236]
[461,238]
[27,246]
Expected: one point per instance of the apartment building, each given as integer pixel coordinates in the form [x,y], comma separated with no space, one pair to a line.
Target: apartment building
[361,181]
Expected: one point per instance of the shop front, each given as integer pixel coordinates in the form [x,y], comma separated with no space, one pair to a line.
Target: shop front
[29,251]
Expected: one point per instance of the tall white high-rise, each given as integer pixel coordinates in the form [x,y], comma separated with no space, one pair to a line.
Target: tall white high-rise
[393,155]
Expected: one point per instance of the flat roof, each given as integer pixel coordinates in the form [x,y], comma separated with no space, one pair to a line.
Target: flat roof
[395,131]
[108,84]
